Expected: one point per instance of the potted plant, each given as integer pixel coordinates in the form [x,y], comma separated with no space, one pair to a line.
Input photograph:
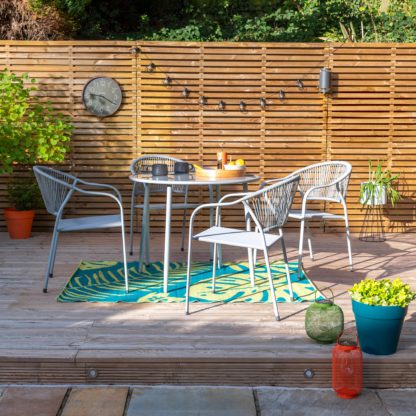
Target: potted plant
[31,131]
[380,307]
[25,198]
[380,187]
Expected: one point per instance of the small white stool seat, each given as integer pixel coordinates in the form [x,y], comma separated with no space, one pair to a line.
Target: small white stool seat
[237,238]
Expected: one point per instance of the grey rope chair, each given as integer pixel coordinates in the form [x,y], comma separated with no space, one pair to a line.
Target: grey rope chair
[326,181]
[268,208]
[57,187]
[144,164]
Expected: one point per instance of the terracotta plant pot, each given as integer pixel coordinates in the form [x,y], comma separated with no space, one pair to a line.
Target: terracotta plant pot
[19,223]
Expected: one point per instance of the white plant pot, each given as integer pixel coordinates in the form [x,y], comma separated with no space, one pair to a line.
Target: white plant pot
[379,197]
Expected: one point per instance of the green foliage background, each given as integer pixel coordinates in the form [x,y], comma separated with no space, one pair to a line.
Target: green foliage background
[239,20]
[30,131]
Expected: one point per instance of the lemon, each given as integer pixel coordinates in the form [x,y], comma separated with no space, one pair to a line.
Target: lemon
[240,162]
[232,163]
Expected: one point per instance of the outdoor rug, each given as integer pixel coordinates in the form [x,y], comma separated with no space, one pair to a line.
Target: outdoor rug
[103,281]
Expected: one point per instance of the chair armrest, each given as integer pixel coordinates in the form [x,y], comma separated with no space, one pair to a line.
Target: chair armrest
[305,196]
[99,193]
[213,205]
[101,185]
[233,195]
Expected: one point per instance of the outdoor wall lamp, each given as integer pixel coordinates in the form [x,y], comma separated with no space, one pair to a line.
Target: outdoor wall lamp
[203,100]
[167,80]
[151,67]
[243,106]
[263,102]
[325,80]
[221,105]
[185,92]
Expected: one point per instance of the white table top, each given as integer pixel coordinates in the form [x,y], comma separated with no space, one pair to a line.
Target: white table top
[190,179]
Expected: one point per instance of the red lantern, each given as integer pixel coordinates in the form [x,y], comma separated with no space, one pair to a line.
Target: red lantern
[347,368]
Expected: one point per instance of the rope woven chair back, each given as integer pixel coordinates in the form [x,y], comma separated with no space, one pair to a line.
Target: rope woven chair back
[337,172]
[271,205]
[54,186]
[144,164]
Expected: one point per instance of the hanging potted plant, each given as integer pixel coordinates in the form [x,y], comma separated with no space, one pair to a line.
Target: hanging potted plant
[380,187]
[380,307]
[31,132]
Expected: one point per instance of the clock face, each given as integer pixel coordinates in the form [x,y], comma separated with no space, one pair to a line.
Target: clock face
[102,96]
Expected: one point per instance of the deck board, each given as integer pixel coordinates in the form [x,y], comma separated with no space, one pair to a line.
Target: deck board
[46,341]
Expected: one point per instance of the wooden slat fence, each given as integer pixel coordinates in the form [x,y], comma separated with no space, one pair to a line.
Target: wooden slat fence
[370,114]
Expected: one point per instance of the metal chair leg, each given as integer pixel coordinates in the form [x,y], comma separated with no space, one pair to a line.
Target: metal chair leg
[301,236]
[51,258]
[214,266]
[144,232]
[251,266]
[347,231]
[308,234]
[184,219]
[272,292]
[123,239]
[132,219]
[289,280]
[188,275]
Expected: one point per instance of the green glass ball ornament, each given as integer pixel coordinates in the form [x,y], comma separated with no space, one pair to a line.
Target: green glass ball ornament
[324,321]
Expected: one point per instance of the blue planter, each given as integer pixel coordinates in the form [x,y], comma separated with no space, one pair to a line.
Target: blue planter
[378,327]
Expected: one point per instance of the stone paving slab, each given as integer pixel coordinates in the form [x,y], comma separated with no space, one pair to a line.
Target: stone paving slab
[192,401]
[317,402]
[96,401]
[31,401]
[399,402]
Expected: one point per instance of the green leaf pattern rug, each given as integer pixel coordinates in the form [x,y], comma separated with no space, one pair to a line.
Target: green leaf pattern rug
[103,281]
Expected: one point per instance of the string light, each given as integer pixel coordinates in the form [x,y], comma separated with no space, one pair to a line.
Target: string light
[151,67]
[263,102]
[203,100]
[221,105]
[282,94]
[185,92]
[299,84]
[243,106]
[167,80]
[135,50]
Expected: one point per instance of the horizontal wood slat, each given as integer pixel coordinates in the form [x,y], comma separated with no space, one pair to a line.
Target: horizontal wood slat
[370,114]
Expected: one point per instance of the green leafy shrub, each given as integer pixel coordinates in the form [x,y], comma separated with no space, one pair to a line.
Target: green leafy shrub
[30,131]
[24,196]
[383,292]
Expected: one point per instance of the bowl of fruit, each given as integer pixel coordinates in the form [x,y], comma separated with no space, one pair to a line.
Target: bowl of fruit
[238,164]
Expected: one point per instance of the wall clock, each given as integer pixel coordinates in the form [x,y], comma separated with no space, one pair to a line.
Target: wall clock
[102,96]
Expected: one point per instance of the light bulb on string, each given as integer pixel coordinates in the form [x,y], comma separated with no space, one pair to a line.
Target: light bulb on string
[299,84]
[263,102]
[151,67]
[221,105]
[167,80]
[203,100]
[185,92]
[282,94]
[243,106]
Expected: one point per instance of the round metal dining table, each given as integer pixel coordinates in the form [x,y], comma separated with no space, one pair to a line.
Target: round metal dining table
[190,179]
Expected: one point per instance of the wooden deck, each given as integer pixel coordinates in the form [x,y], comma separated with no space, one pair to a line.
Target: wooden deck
[43,341]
